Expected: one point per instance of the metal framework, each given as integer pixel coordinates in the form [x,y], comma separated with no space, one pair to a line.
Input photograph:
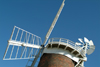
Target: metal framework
[22,45]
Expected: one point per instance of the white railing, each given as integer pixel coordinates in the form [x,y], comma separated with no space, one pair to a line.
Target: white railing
[68,42]
[64,41]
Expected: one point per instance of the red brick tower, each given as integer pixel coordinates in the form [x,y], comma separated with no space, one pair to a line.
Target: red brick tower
[55,60]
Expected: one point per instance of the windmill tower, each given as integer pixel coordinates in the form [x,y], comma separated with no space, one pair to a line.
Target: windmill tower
[57,52]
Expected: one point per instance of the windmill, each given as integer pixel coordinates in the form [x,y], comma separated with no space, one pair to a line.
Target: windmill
[25,45]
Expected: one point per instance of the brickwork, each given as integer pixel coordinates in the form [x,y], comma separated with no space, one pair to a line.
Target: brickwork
[55,60]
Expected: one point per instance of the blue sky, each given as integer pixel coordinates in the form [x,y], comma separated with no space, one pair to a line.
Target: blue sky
[78,19]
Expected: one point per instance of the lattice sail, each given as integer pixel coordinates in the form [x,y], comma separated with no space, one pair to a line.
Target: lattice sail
[22,45]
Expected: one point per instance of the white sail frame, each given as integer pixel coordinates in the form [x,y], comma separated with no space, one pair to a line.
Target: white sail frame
[22,39]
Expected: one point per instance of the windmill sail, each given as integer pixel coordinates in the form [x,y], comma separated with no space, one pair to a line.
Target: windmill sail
[54,22]
[49,31]
[22,45]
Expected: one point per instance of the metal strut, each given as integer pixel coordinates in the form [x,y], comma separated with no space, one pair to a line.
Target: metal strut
[49,32]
